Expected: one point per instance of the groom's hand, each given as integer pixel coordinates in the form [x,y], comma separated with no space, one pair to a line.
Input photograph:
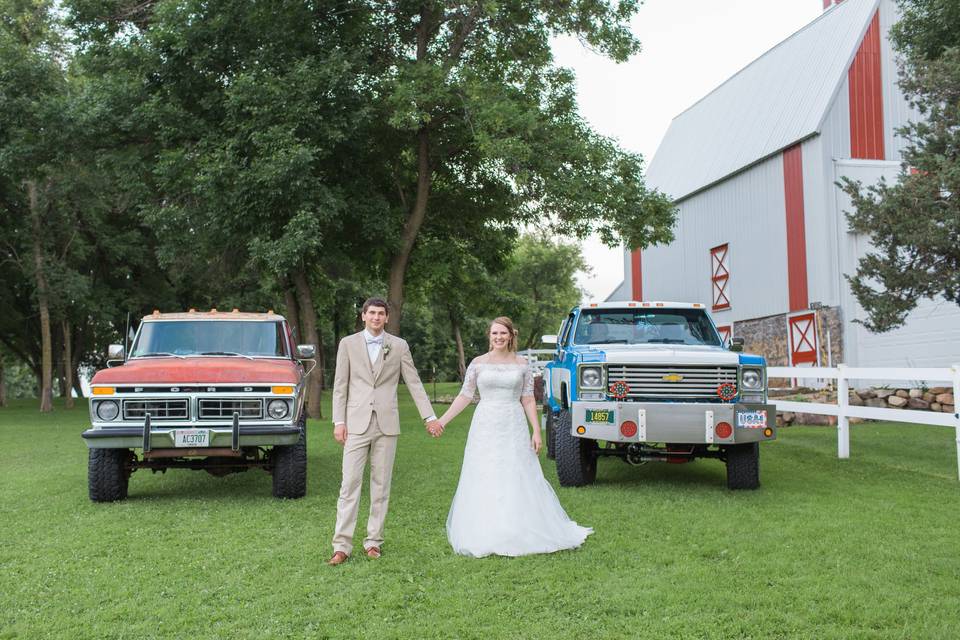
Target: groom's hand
[435,428]
[340,433]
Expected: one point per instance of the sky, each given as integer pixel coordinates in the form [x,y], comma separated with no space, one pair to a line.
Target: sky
[690,47]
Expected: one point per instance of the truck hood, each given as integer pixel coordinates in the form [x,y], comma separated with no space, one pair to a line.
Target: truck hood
[661,354]
[203,370]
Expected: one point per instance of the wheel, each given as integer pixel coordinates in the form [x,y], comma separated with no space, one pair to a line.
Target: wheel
[108,475]
[743,466]
[576,457]
[551,434]
[290,466]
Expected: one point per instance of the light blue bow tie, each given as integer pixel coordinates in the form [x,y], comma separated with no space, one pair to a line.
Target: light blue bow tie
[375,340]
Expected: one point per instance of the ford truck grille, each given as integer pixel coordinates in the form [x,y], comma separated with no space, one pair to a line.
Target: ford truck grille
[172,409]
[223,409]
[689,382]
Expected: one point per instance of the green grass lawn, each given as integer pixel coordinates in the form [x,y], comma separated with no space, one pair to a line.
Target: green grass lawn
[861,548]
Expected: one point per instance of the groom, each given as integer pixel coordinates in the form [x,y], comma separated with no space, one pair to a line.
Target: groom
[366,422]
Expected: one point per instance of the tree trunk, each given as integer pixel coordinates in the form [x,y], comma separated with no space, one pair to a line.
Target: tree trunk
[293,313]
[411,228]
[67,366]
[3,386]
[308,326]
[43,303]
[461,358]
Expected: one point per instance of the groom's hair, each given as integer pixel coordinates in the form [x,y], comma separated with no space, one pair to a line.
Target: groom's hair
[376,302]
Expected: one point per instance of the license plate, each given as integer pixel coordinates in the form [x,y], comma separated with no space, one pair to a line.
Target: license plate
[752,419]
[601,416]
[191,438]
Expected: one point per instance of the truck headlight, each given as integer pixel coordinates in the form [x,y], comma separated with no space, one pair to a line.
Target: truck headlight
[108,410]
[591,377]
[278,409]
[752,379]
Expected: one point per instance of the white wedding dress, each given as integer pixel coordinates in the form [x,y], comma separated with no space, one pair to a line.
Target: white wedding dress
[503,504]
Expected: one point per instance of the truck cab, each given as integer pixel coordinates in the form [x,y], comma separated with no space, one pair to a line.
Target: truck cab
[653,382]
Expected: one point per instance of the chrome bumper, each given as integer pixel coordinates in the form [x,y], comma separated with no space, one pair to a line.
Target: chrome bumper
[674,422]
[163,437]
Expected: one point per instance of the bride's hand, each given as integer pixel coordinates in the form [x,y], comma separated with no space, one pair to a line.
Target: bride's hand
[536,443]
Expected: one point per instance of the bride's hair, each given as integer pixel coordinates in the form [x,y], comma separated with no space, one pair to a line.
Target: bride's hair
[508,323]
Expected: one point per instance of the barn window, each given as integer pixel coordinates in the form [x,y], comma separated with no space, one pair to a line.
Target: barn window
[720,276]
[726,332]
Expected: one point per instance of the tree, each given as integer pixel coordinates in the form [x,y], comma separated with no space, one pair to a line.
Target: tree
[471,101]
[914,224]
[541,280]
[250,113]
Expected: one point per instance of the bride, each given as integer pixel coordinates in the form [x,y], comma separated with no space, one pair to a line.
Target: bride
[503,505]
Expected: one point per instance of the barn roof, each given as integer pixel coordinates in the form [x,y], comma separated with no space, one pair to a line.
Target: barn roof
[780,98]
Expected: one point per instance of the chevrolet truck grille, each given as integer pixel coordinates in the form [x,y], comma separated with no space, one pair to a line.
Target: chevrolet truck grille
[678,383]
[172,409]
[220,409]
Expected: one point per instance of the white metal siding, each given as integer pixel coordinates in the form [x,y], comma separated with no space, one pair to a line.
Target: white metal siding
[747,212]
[896,110]
[931,336]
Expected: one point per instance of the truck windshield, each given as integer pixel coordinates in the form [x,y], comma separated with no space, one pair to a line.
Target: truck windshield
[646,326]
[210,337]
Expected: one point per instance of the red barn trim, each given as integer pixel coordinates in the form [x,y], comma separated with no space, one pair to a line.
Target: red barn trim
[720,276]
[866,97]
[796,230]
[636,275]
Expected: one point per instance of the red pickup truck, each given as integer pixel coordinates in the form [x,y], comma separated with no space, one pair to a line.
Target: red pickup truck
[217,391]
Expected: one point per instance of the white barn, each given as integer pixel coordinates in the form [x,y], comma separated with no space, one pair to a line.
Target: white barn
[761,234]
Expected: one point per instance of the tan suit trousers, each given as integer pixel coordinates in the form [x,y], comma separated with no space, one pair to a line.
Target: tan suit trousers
[381,449]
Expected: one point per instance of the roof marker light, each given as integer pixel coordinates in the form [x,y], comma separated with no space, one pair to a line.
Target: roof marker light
[214,310]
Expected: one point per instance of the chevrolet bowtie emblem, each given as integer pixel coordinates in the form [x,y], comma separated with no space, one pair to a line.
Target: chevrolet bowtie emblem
[672,377]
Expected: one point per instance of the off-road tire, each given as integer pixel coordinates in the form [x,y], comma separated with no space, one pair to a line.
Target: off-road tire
[576,457]
[108,475]
[743,466]
[290,467]
[551,433]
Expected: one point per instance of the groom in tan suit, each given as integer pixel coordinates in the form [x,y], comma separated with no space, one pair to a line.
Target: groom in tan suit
[367,423]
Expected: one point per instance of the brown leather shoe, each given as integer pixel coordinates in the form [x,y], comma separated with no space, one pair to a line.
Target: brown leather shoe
[373,553]
[338,557]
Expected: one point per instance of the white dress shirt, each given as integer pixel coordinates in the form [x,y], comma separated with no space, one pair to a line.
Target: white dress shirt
[374,344]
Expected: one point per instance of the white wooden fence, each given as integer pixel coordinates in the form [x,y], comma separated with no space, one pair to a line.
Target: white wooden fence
[844,411]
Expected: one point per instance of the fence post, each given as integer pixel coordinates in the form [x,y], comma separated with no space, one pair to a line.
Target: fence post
[956,410]
[843,422]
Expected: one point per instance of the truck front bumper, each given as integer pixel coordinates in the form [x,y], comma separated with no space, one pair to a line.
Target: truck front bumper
[163,437]
[674,422]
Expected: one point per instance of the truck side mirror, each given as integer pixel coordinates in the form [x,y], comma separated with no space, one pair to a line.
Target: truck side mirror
[736,344]
[550,339]
[306,351]
[115,352]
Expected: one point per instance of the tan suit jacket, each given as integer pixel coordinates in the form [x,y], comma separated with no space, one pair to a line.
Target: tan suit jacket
[361,388]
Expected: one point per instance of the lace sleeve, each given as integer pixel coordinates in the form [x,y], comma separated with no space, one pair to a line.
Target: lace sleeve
[527,382]
[469,388]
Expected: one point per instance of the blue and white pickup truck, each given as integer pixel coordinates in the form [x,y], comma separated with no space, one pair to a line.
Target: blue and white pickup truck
[653,381]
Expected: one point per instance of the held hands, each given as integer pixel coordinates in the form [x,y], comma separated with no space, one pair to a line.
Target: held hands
[435,428]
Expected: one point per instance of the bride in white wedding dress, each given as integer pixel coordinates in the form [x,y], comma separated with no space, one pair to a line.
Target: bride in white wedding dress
[503,504]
